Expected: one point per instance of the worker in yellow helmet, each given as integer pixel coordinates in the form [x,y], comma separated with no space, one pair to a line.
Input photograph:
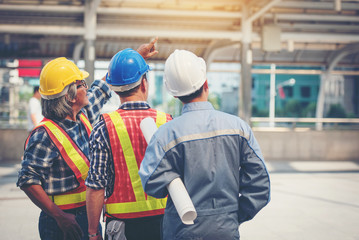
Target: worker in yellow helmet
[56,157]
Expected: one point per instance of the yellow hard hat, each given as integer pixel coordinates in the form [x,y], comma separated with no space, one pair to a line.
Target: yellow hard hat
[57,74]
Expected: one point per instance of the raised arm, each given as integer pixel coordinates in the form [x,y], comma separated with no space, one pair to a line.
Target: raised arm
[148,50]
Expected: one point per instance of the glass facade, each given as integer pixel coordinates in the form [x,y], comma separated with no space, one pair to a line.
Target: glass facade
[296,94]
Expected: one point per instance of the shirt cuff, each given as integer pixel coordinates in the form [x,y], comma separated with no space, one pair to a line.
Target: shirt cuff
[25,180]
[103,86]
[97,185]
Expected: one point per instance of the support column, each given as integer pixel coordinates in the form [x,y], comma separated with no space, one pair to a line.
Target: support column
[89,55]
[321,100]
[245,89]
[90,21]
[272,90]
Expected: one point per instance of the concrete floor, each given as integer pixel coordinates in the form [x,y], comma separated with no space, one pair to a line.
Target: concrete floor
[310,200]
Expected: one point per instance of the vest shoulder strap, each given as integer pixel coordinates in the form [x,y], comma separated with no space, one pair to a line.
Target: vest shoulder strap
[128,152]
[68,149]
[85,121]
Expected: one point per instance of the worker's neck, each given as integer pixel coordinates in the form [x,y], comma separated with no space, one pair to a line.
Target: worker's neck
[202,98]
[73,116]
[198,99]
[133,98]
[37,95]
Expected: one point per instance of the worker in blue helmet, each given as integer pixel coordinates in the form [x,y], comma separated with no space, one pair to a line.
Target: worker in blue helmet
[117,149]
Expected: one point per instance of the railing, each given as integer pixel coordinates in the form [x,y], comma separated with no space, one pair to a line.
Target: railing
[328,123]
[291,123]
[7,122]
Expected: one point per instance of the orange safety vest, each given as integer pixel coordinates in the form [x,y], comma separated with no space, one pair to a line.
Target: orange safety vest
[74,158]
[128,199]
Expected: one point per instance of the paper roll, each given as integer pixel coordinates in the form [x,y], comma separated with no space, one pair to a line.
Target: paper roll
[176,188]
[148,128]
[182,201]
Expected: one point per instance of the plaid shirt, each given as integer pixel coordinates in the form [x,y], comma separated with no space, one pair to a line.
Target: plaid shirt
[101,174]
[43,165]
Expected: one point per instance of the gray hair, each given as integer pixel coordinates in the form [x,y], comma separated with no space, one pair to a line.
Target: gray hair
[61,107]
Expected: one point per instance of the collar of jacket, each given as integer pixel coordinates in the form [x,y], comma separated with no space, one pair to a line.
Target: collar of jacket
[195,106]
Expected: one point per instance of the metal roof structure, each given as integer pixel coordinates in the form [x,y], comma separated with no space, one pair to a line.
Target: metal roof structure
[303,32]
[321,33]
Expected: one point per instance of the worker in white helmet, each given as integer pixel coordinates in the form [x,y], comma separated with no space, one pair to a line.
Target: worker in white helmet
[215,154]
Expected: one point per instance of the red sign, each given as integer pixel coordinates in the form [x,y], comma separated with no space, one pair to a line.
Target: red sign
[30,63]
[281,92]
[29,72]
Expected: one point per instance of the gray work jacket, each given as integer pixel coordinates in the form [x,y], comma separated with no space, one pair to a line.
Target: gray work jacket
[220,163]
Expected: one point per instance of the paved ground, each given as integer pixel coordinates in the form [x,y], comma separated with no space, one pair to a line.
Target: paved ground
[310,200]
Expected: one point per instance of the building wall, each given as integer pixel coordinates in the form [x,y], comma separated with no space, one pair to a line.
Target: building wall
[12,145]
[309,145]
[276,145]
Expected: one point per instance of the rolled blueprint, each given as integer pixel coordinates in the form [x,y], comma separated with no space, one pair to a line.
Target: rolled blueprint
[148,128]
[182,201]
[176,188]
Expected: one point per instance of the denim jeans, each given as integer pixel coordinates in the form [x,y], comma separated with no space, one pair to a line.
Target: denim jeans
[49,229]
[145,228]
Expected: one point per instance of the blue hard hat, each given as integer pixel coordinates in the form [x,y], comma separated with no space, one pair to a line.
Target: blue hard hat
[125,70]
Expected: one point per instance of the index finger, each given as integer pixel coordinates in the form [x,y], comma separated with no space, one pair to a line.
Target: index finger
[153,42]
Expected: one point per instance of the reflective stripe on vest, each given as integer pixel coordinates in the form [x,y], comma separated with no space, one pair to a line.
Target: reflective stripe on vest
[74,158]
[160,118]
[141,204]
[87,123]
[69,198]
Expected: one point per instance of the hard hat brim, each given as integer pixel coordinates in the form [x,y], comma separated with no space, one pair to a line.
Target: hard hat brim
[125,88]
[84,74]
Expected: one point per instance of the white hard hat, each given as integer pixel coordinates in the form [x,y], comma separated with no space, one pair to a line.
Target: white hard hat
[184,73]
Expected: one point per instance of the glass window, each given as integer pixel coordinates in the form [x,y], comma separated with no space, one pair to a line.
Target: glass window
[288,91]
[305,92]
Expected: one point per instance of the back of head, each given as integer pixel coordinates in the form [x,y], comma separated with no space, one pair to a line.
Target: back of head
[126,70]
[56,75]
[36,89]
[185,73]
[58,88]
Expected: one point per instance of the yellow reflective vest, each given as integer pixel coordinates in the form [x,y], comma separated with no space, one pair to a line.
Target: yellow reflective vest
[74,158]
[128,145]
